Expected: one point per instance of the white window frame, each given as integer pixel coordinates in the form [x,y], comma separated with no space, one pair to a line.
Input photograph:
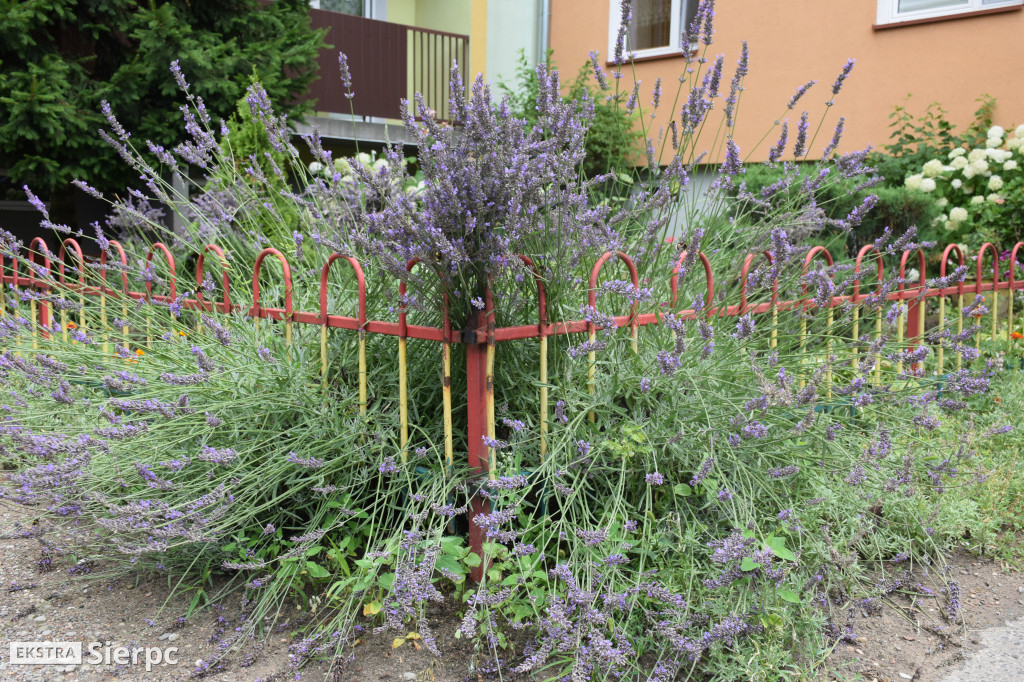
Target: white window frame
[888,10]
[675,33]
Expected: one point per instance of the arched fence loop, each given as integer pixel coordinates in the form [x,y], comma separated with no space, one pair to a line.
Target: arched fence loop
[979,287]
[481,334]
[149,275]
[40,275]
[856,298]
[943,265]
[1012,286]
[805,305]
[122,294]
[631,319]
[542,336]
[61,270]
[361,320]
[915,312]
[773,303]
[225,305]
[259,311]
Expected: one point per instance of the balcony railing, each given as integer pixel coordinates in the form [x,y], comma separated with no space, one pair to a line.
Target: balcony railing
[388,62]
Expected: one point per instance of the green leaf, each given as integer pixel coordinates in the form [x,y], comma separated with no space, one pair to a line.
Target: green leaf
[789,595]
[316,570]
[473,559]
[386,580]
[778,548]
[682,489]
[229,547]
[314,550]
[749,564]
[451,564]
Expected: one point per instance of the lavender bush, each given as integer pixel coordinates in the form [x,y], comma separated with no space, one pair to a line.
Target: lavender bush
[707,488]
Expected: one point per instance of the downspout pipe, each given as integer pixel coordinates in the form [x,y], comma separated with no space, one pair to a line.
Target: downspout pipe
[543,30]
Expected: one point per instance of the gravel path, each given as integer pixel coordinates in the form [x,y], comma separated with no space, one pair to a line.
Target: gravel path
[1000,658]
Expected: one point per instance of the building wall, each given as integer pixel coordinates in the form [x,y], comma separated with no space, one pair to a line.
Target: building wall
[512,25]
[793,41]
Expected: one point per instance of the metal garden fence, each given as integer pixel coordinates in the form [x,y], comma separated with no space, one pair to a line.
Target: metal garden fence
[481,336]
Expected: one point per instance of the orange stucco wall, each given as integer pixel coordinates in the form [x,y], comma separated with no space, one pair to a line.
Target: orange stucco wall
[793,41]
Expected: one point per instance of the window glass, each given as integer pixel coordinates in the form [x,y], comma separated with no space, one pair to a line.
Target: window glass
[343,6]
[651,25]
[923,5]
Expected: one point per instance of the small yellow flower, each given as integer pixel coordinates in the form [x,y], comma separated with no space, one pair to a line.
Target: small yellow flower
[181,334]
[139,351]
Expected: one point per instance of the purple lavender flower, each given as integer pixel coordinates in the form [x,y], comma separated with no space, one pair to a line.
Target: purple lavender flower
[654,479]
[843,75]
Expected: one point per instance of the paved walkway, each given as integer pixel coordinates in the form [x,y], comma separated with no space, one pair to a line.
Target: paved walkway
[1000,658]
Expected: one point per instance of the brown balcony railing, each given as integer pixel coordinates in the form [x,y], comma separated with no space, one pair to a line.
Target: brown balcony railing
[388,62]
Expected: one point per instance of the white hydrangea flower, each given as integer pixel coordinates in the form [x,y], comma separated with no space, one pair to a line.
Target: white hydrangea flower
[995,131]
[932,168]
[999,155]
[379,164]
[1010,165]
[994,142]
[938,220]
[942,202]
[993,198]
[950,225]
[364,159]
[976,154]
[927,185]
[1019,132]
[959,151]
[315,167]
[912,275]
[957,183]
[914,181]
[958,214]
[995,183]
[342,165]
[959,163]
[977,199]
[970,172]
[981,165]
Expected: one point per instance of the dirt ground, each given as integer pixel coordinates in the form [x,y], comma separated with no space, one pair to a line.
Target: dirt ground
[911,640]
[908,640]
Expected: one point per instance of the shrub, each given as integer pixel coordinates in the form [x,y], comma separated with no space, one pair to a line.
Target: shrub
[980,190]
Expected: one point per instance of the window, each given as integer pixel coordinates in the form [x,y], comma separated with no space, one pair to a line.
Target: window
[656,29]
[896,11]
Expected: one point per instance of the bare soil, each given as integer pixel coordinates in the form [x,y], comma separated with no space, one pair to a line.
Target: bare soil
[909,639]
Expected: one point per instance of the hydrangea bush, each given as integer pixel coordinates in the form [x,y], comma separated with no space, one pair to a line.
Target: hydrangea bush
[981,190]
[713,484]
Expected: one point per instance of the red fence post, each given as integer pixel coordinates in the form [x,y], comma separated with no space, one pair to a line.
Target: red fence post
[476,429]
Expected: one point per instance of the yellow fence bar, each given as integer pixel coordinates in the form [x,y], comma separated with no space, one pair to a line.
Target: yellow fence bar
[403,397]
[446,398]
[543,396]
[489,382]
[942,328]
[362,372]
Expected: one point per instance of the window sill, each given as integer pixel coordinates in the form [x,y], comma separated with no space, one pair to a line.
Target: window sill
[946,17]
[653,55]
